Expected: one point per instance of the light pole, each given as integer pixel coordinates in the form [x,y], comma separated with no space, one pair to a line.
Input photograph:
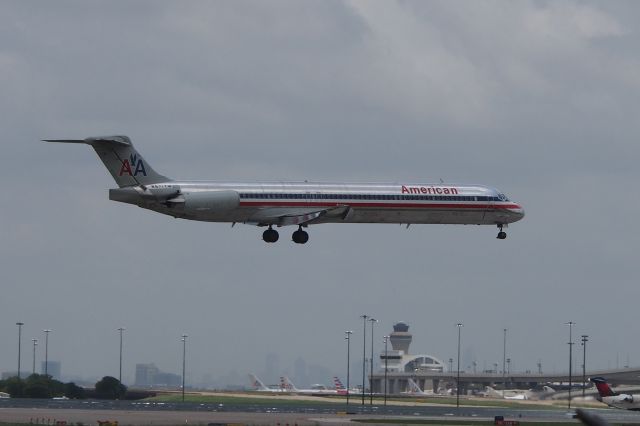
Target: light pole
[33,367]
[184,362]
[121,329]
[570,324]
[364,351]
[373,321]
[46,351]
[19,324]
[585,339]
[504,358]
[347,336]
[509,366]
[386,338]
[459,325]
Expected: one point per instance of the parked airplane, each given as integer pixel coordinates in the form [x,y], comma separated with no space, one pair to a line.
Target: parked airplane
[297,203]
[615,399]
[314,390]
[519,394]
[258,386]
[508,394]
[340,389]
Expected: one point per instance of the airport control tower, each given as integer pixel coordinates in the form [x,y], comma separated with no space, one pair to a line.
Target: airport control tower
[401,338]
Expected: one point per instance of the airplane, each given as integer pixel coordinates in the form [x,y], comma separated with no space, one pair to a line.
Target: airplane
[297,203]
[340,389]
[614,399]
[315,389]
[506,394]
[519,394]
[258,386]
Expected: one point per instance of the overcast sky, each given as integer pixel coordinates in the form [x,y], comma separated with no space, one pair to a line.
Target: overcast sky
[539,99]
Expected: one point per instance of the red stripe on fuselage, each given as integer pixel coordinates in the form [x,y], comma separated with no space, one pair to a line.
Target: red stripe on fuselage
[378,205]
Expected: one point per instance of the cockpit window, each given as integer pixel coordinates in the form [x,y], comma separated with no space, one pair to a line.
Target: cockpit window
[502,197]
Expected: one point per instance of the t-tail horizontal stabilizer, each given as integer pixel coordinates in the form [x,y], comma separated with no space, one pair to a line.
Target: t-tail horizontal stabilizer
[125,164]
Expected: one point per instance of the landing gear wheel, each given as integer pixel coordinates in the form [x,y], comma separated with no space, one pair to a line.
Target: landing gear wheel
[501,235]
[270,235]
[300,236]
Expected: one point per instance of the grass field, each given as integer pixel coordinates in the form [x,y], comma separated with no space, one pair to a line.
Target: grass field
[233,400]
[288,400]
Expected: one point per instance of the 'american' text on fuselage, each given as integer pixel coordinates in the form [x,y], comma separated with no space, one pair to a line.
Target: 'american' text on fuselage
[428,190]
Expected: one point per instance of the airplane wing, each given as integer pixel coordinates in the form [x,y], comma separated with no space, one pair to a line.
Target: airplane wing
[295,216]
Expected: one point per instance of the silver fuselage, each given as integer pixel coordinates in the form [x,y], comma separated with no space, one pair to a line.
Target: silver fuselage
[264,203]
[622,401]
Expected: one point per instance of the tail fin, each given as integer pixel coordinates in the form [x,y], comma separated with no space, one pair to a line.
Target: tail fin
[338,384]
[413,386]
[287,384]
[257,383]
[125,164]
[603,387]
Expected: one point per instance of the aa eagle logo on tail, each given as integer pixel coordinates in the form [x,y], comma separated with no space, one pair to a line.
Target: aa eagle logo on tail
[132,162]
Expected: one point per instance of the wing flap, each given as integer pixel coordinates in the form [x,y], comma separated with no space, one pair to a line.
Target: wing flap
[299,219]
[287,216]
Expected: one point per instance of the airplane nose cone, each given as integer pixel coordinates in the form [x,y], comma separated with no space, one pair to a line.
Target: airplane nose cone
[517,211]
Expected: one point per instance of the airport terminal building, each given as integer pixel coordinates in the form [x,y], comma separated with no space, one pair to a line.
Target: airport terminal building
[431,375]
[402,366]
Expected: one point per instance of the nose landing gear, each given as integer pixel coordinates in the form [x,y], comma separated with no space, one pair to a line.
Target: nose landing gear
[300,236]
[270,235]
[501,235]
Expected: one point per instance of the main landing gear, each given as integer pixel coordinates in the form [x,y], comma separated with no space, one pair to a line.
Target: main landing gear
[299,237]
[270,235]
[501,235]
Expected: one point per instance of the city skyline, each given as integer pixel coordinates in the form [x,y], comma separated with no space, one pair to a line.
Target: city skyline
[299,371]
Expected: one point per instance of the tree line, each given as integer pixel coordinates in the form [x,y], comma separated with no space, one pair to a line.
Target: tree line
[44,386]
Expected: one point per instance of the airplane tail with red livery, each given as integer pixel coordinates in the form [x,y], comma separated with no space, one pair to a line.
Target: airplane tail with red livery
[340,389]
[603,387]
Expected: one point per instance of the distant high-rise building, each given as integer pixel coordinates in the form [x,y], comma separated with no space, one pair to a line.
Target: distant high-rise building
[167,379]
[145,374]
[150,375]
[52,368]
